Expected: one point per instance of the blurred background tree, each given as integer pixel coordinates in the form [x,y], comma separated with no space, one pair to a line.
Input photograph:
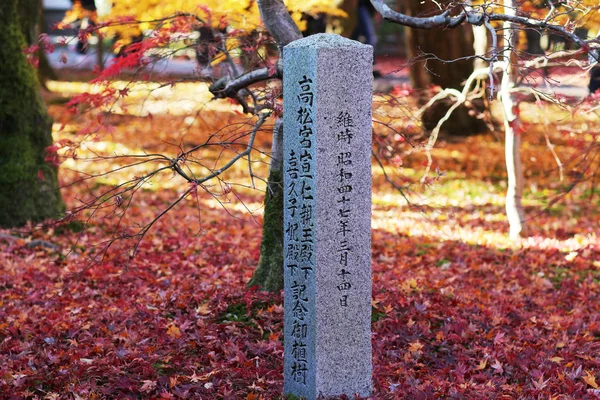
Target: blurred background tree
[28,185]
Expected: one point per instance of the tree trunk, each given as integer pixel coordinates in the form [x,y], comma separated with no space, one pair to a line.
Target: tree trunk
[100,52]
[31,20]
[440,53]
[512,126]
[28,185]
[445,44]
[480,45]
[269,273]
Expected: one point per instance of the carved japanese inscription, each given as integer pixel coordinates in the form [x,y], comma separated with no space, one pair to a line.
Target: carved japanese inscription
[327,211]
[299,227]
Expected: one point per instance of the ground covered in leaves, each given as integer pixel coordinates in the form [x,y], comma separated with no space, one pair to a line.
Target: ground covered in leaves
[458,311]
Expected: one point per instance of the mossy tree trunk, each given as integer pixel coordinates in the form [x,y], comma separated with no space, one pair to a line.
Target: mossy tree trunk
[269,273]
[28,185]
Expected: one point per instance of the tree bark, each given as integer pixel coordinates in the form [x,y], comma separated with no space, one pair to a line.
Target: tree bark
[512,126]
[441,53]
[31,22]
[445,44]
[480,45]
[28,185]
[278,22]
[269,273]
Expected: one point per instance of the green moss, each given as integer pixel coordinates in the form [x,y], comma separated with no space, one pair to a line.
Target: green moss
[269,273]
[73,226]
[234,313]
[27,183]
[441,262]
[293,397]
[377,315]
[237,313]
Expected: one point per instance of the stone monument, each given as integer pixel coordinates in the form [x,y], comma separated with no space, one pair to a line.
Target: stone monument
[327,88]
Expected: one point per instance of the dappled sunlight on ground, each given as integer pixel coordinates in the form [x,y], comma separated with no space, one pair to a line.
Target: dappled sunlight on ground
[152,98]
[459,311]
[463,200]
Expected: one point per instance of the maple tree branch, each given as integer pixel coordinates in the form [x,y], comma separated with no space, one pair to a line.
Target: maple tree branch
[540,25]
[225,51]
[142,233]
[156,158]
[494,55]
[229,88]
[284,30]
[551,11]
[177,168]
[388,179]
[543,60]
[115,192]
[461,98]
[147,21]
[263,117]
[396,131]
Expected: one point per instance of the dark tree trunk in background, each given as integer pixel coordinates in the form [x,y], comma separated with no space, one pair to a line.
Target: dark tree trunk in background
[446,45]
[348,24]
[31,21]
[28,185]
[594,84]
[534,42]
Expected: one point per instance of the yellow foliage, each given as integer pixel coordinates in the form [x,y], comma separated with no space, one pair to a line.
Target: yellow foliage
[77,12]
[236,14]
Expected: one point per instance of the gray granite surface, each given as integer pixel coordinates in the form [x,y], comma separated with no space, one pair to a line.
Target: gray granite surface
[327,220]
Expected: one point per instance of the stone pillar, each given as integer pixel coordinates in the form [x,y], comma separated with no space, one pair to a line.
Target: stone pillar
[327,217]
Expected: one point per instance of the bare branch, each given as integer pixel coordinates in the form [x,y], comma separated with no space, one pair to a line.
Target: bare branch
[567,55]
[228,88]
[442,20]
[461,97]
[263,117]
[540,25]
[389,180]
[142,233]
[493,57]
[445,20]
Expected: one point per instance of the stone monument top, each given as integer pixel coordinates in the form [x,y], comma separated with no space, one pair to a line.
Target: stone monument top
[321,40]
